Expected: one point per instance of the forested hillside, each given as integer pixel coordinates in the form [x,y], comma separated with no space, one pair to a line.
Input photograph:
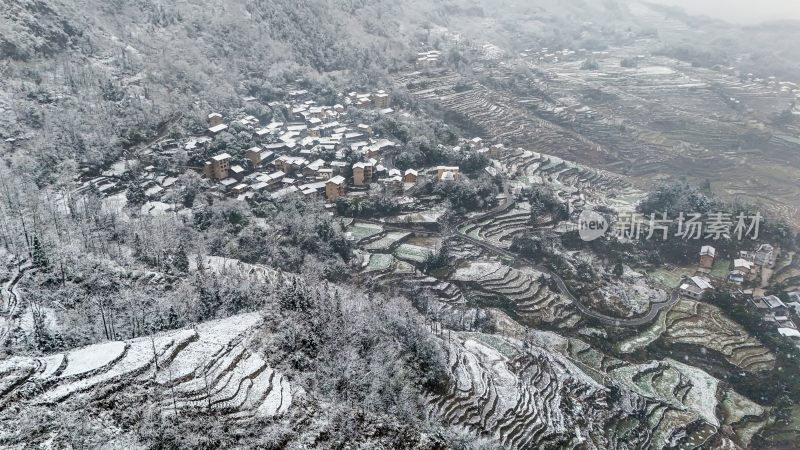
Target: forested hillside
[84,87]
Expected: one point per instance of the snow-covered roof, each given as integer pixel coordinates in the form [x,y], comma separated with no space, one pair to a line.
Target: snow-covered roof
[338,179]
[773,302]
[702,282]
[789,332]
[708,250]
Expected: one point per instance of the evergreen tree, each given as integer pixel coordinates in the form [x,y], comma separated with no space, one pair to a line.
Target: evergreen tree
[209,300]
[39,256]
[173,320]
[135,194]
[180,261]
[137,245]
[619,269]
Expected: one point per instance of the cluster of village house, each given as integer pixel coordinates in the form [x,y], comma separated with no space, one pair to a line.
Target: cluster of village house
[429,59]
[747,267]
[286,159]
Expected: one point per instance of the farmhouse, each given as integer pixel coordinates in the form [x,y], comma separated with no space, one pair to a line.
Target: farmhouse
[744,267]
[312,188]
[496,150]
[736,277]
[215,130]
[382,100]
[240,189]
[362,173]
[426,60]
[228,183]
[770,304]
[365,129]
[696,287]
[448,172]
[764,256]
[214,119]
[271,178]
[707,254]
[410,176]
[334,188]
[289,164]
[394,184]
[257,155]
[217,167]
[790,333]
[238,172]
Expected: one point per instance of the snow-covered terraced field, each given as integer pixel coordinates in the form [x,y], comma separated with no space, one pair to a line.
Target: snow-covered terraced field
[690,322]
[521,399]
[206,367]
[679,396]
[536,395]
[499,230]
[562,172]
[379,262]
[388,241]
[525,296]
[363,231]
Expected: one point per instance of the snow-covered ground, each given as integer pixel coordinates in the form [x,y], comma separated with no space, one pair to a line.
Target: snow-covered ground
[209,365]
[631,295]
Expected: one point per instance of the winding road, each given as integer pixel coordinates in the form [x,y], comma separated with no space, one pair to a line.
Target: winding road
[11,300]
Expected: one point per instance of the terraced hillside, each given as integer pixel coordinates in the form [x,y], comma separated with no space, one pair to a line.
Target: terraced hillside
[688,396]
[699,123]
[690,322]
[519,291]
[208,367]
[499,230]
[575,183]
[552,169]
[524,399]
[503,117]
[540,394]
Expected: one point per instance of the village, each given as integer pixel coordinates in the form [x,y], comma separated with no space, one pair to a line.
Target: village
[312,154]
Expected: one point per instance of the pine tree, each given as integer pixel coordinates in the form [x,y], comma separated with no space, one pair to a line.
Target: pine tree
[135,194]
[137,245]
[173,320]
[180,261]
[39,256]
[619,269]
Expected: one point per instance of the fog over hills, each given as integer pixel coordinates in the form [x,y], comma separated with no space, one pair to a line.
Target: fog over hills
[746,12]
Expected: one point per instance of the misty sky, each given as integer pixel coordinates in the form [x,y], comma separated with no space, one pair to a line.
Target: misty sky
[741,11]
